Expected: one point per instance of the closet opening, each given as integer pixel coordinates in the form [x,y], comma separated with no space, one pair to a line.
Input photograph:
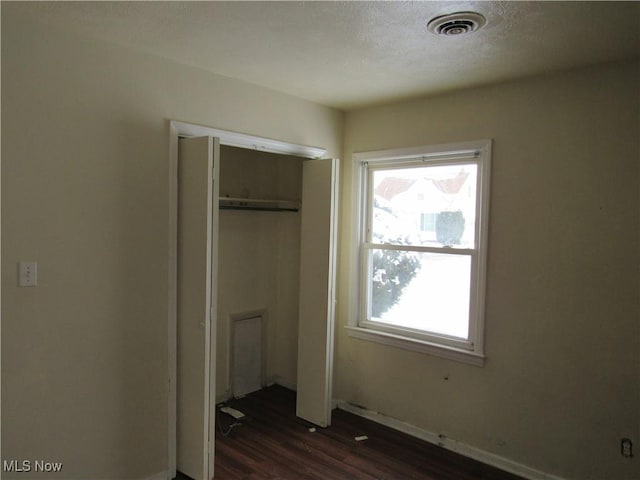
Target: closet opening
[258,271]
[256,239]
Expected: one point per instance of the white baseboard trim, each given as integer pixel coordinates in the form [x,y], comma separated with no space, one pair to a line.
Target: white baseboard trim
[275,380]
[449,443]
[278,380]
[226,396]
[223,398]
[158,476]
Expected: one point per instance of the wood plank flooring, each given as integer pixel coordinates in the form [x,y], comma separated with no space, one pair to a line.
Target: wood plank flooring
[273,444]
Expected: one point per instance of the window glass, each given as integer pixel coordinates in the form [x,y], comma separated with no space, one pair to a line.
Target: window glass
[430,206]
[421,291]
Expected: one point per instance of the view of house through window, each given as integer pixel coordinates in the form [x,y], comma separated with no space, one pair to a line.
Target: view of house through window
[425,206]
[421,246]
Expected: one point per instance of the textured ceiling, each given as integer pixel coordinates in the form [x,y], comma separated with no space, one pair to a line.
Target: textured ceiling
[353,54]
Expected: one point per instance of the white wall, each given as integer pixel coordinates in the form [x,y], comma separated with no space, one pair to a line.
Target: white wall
[85,193]
[259,260]
[561,384]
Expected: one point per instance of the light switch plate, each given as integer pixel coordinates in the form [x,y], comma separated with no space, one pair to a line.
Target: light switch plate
[28,276]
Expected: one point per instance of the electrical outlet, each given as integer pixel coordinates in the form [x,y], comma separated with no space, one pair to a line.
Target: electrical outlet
[626,447]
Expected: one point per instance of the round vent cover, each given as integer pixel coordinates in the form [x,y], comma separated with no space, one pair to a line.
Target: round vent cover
[456,23]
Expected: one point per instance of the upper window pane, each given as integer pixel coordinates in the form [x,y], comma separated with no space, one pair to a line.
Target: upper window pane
[426,206]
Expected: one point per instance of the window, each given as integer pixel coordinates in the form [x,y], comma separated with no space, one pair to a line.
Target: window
[428,222]
[422,234]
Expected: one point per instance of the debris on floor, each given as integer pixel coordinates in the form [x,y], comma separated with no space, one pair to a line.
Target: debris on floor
[237,414]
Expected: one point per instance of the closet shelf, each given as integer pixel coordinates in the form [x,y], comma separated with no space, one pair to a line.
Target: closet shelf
[231,203]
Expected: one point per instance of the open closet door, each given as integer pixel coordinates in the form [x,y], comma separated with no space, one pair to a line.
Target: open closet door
[197,244]
[317,290]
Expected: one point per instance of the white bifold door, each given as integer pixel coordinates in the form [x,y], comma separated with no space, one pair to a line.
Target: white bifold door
[317,290]
[197,247]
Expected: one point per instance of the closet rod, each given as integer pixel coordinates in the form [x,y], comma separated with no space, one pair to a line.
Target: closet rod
[227,203]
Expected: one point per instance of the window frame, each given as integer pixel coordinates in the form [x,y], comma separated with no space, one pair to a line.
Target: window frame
[470,350]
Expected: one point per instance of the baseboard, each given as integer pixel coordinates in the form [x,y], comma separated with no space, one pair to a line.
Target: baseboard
[223,398]
[158,476]
[278,380]
[449,443]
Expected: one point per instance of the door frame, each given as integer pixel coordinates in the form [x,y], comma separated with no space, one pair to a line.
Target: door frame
[179,129]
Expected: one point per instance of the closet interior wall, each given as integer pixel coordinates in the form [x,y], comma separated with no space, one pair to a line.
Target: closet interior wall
[259,261]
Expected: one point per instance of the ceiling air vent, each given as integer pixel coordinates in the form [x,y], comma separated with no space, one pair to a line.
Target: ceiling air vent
[456,23]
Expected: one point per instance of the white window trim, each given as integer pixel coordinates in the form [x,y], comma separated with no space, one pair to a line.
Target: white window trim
[357,326]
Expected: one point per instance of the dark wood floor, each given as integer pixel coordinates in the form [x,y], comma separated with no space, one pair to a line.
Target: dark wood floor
[272,443]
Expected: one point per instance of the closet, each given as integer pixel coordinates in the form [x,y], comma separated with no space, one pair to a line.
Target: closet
[255,256]
[258,270]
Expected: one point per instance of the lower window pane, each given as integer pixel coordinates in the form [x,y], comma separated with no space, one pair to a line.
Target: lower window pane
[424,291]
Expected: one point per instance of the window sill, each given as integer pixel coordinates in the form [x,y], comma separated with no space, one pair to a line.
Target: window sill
[415,345]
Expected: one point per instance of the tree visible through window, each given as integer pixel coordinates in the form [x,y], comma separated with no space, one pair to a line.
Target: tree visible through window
[423,224]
